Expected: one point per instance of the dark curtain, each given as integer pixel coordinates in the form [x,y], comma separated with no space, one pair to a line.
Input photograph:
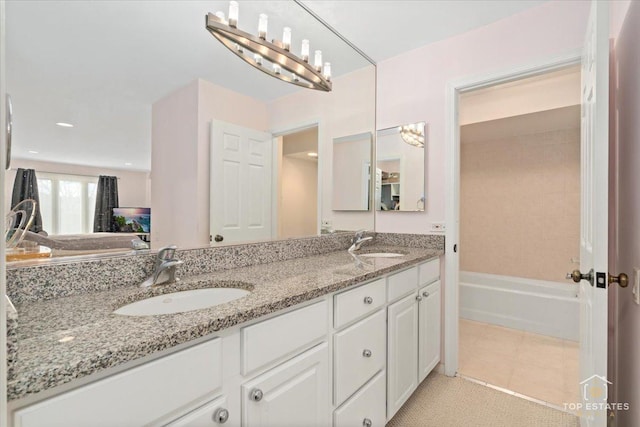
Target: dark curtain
[106,200]
[25,187]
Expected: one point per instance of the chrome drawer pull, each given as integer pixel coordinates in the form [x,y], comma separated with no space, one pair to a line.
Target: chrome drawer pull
[367,422]
[220,416]
[256,395]
[425,294]
[366,353]
[368,300]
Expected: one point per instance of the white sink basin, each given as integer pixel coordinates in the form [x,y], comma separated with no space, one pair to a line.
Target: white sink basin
[382,255]
[179,302]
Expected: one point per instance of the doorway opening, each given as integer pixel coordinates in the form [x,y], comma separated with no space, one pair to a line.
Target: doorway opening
[297,183]
[519,234]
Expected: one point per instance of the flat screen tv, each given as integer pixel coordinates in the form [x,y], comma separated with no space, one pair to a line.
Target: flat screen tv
[132,220]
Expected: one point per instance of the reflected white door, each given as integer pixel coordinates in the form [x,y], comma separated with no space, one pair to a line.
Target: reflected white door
[240,194]
[594,217]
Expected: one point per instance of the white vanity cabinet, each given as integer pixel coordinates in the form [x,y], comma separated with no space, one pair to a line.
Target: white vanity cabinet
[136,397]
[295,393]
[413,335]
[429,321]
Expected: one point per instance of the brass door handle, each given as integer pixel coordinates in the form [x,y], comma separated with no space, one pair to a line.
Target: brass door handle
[621,279]
[577,276]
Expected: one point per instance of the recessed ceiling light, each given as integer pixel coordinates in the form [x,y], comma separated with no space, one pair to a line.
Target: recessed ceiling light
[128,164]
[312,154]
[33,152]
[64,125]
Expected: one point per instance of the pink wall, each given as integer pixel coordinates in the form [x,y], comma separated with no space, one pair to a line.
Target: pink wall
[411,86]
[627,57]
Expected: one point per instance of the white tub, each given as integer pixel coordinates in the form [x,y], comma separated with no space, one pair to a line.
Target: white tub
[547,308]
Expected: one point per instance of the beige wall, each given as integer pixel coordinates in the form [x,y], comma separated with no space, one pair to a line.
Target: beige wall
[298,214]
[520,204]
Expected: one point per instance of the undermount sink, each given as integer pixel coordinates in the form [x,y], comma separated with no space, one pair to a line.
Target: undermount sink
[382,255]
[179,302]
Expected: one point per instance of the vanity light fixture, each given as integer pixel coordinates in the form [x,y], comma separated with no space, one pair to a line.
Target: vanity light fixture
[64,125]
[413,134]
[273,58]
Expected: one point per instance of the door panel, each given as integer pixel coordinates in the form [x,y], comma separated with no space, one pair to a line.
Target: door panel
[594,217]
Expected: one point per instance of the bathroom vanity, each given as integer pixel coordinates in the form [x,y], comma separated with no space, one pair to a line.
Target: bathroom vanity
[320,340]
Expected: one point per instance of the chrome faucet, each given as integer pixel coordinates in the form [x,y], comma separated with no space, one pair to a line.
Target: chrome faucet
[358,240]
[165,268]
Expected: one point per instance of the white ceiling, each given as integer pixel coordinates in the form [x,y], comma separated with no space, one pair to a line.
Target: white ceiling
[101,64]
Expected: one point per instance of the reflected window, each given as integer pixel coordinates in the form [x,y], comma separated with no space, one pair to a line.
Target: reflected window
[67,203]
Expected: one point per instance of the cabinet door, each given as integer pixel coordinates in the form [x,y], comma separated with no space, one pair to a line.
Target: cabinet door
[429,329]
[295,393]
[212,414]
[402,368]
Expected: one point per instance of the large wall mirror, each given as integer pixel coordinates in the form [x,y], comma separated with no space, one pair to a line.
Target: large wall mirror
[215,151]
[400,166]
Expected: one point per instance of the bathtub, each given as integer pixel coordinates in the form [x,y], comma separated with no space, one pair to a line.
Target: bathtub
[547,308]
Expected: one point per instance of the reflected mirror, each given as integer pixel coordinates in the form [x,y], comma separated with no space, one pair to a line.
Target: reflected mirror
[400,166]
[352,172]
[135,96]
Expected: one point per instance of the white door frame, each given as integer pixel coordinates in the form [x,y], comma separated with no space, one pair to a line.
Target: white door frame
[452,184]
[278,132]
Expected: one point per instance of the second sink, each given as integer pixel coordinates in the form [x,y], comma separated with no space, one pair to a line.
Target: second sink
[178,302]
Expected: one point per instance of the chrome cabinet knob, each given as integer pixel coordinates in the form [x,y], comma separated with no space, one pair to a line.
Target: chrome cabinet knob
[256,395]
[368,300]
[367,422]
[425,294]
[220,416]
[366,353]
[419,297]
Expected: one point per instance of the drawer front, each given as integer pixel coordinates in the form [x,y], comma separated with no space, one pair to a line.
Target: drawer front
[212,414]
[360,352]
[366,404]
[135,397]
[402,283]
[429,271]
[353,304]
[284,335]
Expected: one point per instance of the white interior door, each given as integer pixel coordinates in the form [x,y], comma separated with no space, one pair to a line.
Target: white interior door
[594,217]
[240,180]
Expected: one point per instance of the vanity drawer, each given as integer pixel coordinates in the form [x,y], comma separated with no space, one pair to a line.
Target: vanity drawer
[429,271]
[402,283]
[135,397]
[283,335]
[350,305]
[368,403]
[207,415]
[360,352]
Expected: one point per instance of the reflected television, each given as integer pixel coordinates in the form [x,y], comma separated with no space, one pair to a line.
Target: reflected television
[132,220]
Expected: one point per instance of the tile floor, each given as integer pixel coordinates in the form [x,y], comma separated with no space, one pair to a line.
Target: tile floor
[537,366]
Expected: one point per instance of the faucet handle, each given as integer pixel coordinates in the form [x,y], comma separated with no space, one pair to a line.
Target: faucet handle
[360,233]
[167,252]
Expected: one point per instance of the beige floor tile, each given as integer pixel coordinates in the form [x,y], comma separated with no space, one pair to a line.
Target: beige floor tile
[541,367]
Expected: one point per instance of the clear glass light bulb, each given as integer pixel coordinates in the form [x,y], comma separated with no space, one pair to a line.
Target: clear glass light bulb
[317,62]
[286,38]
[326,71]
[304,52]
[262,26]
[257,58]
[220,15]
[277,68]
[233,13]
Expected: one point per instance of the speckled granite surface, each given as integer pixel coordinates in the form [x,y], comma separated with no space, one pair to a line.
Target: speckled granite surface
[12,337]
[70,337]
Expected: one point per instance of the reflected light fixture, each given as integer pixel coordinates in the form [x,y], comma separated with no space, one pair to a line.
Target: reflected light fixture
[312,154]
[273,58]
[413,134]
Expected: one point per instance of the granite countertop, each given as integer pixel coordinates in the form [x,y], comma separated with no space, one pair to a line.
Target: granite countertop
[63,339]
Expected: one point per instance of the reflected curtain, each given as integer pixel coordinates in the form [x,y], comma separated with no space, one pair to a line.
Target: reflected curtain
[106,200]
[25,187]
